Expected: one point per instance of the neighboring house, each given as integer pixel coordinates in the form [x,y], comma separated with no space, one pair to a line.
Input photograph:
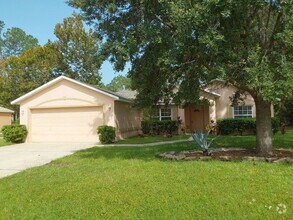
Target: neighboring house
[66,110]
[5,116]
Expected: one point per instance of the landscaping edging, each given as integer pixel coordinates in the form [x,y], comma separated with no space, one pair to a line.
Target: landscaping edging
[230,154]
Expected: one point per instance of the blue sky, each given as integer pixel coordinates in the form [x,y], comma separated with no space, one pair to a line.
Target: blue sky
[38,18]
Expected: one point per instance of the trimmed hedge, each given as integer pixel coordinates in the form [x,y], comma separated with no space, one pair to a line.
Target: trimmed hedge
[106,134]
[239,126]
[156,127]
[14,133]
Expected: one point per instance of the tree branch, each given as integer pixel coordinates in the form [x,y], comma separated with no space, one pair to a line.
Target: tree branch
[268,19]
[165,22]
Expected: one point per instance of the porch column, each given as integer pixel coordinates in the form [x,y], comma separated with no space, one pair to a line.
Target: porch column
[182,117]
[212,109]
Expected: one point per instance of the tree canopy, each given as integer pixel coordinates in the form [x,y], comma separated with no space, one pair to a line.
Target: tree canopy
[14,41]
[170,42]
[23,73]
[27,66]
[247,43]
[119,82]
[79,49]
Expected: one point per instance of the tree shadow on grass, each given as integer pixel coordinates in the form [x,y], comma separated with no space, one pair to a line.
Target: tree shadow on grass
[142,153]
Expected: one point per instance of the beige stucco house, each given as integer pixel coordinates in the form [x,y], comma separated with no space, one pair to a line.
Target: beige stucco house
[66,110]
[218,95]
[5,116]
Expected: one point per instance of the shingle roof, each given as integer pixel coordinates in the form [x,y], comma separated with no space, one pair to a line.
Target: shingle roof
[5,110]
[127,94]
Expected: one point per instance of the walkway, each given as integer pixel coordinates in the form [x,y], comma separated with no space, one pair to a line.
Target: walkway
[145,145]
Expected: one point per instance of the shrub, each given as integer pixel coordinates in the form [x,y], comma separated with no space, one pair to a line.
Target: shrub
[106,134]
[275,125]
[159,127]
[236,126]
[240,126]
[14,133]
[146,127]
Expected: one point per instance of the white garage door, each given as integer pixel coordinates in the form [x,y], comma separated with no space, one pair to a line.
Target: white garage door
[65,124]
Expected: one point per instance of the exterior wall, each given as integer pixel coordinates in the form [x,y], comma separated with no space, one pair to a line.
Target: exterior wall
[181,114]
[5,119]
[175,113]
[66,94]
[223,103]
[127,120]
[212,110]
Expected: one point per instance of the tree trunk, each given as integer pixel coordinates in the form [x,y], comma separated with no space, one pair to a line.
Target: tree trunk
[264,144]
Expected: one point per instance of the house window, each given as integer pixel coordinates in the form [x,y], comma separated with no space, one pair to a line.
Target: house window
[243,111]
[163,114]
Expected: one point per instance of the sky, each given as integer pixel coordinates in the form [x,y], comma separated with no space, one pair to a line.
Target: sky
[38,18]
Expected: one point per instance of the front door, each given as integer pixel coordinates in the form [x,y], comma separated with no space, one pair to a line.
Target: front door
[198,118]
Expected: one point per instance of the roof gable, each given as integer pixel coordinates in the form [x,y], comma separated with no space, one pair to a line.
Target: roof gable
[60,78]
[5,110]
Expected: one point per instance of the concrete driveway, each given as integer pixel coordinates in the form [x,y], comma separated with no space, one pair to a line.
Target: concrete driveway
[15,158]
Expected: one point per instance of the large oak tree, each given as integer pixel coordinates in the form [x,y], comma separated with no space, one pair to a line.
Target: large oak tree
[247,43]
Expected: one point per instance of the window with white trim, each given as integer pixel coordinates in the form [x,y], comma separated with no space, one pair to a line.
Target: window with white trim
[163,114]
[244,111]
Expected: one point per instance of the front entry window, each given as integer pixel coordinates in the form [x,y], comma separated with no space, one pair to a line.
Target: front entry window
[163,114]
[243,111]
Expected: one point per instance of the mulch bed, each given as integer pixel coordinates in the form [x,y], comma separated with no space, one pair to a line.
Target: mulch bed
[231,154]
[239,154]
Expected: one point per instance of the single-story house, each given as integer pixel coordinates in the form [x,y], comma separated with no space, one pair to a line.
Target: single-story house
[218,95]
[66,110]
[220,106]
[5,116]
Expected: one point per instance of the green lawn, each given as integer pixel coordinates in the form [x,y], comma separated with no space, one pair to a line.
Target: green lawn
[279,140]
[131,183]
[151,139]
[3,143]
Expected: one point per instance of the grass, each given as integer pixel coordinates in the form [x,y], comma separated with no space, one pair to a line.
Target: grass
[131,183]
[151,139]
[3,142]
[279,141]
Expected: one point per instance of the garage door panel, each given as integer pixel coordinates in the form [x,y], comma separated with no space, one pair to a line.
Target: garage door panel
[66,124]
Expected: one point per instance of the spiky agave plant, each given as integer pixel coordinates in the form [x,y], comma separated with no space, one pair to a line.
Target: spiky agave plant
[202,140]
